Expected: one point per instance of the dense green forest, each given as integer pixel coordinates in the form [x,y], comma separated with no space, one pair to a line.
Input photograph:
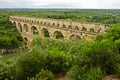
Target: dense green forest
[10,38]
[47,59]
[82,15]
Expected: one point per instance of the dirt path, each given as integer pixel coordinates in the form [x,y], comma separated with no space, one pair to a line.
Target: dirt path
[110,77]
[60,77]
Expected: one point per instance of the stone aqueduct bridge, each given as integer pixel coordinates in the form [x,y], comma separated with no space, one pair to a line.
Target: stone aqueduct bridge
[28,27]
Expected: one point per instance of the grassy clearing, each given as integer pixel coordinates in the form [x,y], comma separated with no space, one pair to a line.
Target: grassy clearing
[13,56]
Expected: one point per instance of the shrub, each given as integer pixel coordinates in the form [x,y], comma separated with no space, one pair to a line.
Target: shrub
[117,45]
[99,37]
[43,75]
[117,69]
[99,54]
[57,62]
[30,64]
[102,54]
[7,70]
[84,73]
[75,73]
[94,73]
[114,33]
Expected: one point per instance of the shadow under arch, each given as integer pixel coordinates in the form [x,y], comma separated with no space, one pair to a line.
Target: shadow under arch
[26,42]
[26,39]
[99,30]
[84,29]
[58,35]
[45,32]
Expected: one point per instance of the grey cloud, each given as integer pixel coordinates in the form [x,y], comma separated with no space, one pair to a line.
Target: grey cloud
[58,5]
[104,4]
[15,4]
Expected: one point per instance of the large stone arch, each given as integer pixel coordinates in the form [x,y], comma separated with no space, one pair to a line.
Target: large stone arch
[75,37]
[45,33]
[92,30]
[84,29]
[58,35]
[25,28]
[20,27]
[34,30]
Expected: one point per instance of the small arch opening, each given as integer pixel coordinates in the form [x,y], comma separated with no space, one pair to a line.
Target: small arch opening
[38,22]
[53,24]
[69,27]
[76,28]
[58,25]
[48,24]
[41,23]
[64,26]
[32,22]
[44,23]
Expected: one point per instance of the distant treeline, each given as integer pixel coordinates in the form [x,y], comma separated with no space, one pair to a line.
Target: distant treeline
[106,16]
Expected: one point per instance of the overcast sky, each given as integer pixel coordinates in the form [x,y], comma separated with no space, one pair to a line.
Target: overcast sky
[91,4]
